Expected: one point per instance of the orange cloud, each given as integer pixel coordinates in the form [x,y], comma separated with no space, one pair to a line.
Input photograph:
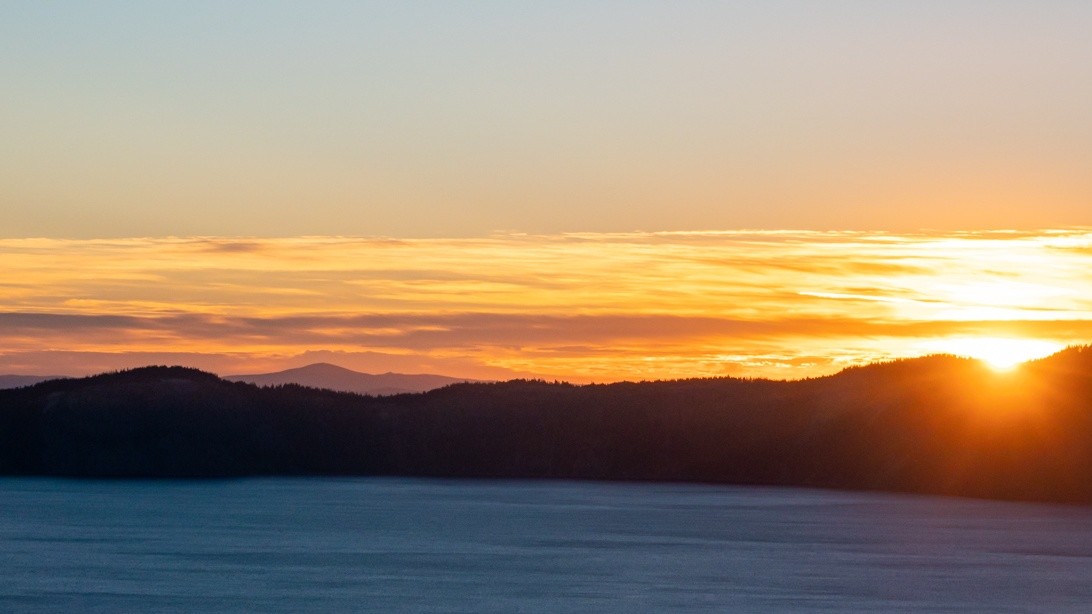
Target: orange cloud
[583,307]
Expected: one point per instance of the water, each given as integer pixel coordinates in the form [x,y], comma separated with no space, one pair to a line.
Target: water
[464,546]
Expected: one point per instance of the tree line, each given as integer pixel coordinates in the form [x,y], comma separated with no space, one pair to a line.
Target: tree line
[940,425]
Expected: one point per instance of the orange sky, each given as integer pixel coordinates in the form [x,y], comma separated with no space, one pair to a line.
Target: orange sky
[580,307]
[600,129]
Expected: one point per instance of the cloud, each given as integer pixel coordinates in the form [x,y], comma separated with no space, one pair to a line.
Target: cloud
[582,305]
[65,322]
[229,246]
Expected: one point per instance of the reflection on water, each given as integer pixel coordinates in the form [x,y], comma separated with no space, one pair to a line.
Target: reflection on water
[423,545]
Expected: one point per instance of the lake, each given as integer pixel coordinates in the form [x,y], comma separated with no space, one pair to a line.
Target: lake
[377,544]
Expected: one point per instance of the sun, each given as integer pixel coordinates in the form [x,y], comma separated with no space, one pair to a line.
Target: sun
[1000,353]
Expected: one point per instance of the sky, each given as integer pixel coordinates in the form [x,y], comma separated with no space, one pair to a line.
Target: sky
[587,190]
[578,307]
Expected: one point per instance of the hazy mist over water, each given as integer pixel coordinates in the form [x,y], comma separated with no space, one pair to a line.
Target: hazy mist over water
[470,546]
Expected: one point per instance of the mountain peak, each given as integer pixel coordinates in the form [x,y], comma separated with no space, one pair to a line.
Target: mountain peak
[321,367]
[335,377]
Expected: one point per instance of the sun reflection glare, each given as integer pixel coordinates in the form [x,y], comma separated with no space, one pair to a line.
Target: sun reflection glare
[581,307]
[999,353]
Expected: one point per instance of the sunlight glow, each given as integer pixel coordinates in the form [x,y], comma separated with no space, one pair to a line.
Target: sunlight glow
[999,353]
[581,307]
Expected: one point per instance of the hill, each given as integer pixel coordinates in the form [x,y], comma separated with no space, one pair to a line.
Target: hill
[939,425]
[333,377]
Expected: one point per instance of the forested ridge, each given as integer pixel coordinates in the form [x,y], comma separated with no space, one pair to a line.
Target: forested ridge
[937,424]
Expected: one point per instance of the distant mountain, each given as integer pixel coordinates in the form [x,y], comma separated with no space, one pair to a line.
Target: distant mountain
[18,381]
[937,425]
[332,377]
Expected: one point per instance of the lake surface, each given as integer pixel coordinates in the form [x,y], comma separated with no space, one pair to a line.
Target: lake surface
[471,546]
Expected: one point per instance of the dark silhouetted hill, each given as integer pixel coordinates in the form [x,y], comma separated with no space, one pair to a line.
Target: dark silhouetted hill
[333,377]
[938,425]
